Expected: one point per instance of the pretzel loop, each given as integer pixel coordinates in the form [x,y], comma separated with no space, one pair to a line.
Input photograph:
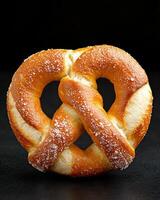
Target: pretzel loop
[115,133]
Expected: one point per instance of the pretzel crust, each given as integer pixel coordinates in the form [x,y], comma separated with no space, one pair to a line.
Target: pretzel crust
[115,133]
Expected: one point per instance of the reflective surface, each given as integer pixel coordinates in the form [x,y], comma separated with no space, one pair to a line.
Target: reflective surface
[18,180]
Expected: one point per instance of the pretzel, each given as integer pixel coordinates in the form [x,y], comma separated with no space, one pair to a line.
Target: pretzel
[115,134]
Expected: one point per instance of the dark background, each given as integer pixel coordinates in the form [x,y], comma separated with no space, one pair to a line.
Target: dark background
[28,27]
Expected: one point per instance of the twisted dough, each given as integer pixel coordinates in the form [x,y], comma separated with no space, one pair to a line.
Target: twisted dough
[115,133]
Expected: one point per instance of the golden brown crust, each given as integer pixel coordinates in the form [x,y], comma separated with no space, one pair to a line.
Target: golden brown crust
[87,162]
[47,139]
[117,66]
[85,100]
[30,79]
[19,135]
[63,132]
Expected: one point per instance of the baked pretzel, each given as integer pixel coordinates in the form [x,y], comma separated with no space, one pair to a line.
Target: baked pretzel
[115,134]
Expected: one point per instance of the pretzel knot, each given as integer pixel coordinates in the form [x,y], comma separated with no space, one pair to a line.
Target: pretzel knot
[115,134]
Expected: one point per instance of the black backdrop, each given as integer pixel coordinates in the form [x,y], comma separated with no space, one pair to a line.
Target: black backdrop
[30,26]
